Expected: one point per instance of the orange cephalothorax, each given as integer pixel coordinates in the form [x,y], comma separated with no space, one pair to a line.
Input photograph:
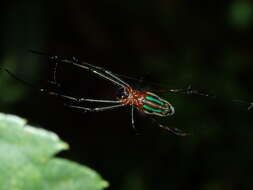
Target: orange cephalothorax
[147,102]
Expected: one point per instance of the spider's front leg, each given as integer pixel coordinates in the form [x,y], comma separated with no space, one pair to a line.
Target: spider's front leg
[78,100]
[96,109]
[99,71]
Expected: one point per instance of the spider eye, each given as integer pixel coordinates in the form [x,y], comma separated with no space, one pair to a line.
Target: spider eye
[121,93]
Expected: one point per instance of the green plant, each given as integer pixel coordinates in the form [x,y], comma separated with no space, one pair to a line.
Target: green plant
[27,160]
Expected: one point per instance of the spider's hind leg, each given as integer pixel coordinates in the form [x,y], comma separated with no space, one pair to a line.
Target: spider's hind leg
[173,130]
[190,91]
[133,122]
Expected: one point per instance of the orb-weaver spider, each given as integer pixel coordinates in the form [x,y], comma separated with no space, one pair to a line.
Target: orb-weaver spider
[144,101]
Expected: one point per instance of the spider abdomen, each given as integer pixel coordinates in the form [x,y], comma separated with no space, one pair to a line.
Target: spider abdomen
[154,105]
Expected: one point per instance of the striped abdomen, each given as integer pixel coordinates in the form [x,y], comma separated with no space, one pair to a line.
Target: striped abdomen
[154,105]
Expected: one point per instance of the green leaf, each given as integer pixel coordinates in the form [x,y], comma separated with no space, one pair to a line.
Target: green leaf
[27,162]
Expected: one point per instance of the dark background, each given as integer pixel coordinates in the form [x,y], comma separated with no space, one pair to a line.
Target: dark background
[170,42]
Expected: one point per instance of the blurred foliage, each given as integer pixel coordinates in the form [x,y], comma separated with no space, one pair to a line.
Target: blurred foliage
[15,91]
[241,14]
[28,162]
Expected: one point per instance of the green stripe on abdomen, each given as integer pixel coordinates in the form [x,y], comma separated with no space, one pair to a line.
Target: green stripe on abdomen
[154,100]
[151,109]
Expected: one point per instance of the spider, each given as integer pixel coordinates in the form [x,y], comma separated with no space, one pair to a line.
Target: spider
[146,102]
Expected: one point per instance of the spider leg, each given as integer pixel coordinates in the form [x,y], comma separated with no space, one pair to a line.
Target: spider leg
[175,131]
[190,91]
[109,73]
[250,106]
[132,118]
[79,100]
[54,76]
[85,109]
[244,102]
[95,69]
[105,74]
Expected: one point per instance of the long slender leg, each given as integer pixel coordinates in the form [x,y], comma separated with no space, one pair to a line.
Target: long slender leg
[190,91]
[103,70]
[54,76]
[250,104]
[96,70]
[85,109]
[79,100]
[109,73]
[132,118]
[175,131]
